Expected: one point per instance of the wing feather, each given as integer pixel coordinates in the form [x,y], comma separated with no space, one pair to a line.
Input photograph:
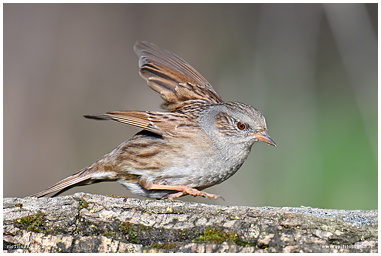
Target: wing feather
[162,123]
[178,83]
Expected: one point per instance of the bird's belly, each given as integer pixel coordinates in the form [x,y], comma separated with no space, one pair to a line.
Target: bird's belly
[198,173]
[185,162]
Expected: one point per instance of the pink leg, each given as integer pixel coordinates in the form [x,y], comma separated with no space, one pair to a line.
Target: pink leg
[183,190]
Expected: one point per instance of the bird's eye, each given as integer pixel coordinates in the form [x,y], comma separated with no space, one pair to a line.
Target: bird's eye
[241,126]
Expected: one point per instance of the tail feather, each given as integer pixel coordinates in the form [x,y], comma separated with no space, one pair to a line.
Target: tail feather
[99,117]
[72,180]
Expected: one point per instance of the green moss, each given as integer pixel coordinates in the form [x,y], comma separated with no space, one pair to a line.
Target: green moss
[33,229]
[49,231]
[38,222]
[135,232]
[26,220]
[142,228]
[35,220]
[106,233]
[127,228]
[82,203]
[239,242]
[32,221]
[215,236]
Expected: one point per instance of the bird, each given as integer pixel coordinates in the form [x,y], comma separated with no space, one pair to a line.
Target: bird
[198,141]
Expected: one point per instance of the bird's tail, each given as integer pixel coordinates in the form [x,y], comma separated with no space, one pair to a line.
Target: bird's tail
[80,178]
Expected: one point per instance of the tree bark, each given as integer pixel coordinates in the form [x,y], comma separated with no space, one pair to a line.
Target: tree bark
[95,223]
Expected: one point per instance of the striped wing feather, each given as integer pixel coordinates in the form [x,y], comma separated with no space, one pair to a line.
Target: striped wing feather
[162,123]
[177,82]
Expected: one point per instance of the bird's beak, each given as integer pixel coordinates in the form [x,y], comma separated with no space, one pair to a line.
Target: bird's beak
[264,136]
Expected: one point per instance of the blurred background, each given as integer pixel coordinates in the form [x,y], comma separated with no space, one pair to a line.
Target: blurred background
[311,69]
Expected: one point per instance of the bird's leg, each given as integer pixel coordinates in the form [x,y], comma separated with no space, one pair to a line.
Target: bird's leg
[198,193]
[183,190]
[175,195]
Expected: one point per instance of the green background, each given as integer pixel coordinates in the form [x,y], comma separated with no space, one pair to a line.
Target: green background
[311,70]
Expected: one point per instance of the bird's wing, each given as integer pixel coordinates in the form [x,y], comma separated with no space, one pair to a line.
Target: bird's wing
[181,86]
[162,123]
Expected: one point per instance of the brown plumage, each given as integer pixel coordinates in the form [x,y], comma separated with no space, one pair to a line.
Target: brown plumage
[181,87]
[201,140]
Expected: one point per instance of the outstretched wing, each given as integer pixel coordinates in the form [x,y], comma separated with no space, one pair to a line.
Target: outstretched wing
[182,88]
[162,123]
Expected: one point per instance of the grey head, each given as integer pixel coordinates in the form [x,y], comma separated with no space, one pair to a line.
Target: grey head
[235,125]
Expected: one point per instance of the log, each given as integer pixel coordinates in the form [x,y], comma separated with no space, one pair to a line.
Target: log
[95,223]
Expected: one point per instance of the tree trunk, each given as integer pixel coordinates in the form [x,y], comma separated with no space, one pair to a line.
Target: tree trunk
[95,223]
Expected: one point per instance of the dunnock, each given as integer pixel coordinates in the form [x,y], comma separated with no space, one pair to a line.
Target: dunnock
[199,142]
